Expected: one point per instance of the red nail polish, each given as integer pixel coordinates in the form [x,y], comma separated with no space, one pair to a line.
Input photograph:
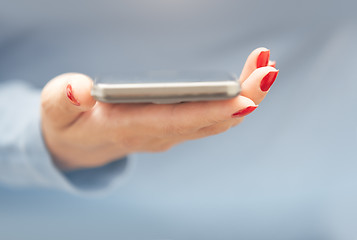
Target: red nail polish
[71,96]
[268,80]
[263,59]
[244,112]
[273,64]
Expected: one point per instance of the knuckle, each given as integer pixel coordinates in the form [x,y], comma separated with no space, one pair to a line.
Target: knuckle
[217,129]
[129,143]
[162,147]
[180,130]
[172,128]
[213,121]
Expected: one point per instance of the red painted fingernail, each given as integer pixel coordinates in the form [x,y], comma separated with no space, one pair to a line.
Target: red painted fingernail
[263,59]
[273,64]
[244,112]
[70,95]
[268,80]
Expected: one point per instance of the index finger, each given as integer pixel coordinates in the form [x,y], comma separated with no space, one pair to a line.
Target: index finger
[186,118]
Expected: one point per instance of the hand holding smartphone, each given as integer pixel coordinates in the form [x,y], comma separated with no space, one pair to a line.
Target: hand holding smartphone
[101,133]
[166,87]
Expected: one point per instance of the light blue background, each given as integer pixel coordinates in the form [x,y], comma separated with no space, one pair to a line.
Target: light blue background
[288,172]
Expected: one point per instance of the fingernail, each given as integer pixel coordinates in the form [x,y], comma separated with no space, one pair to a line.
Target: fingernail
[70,95]
[273,64]
[244,112]
[263,59]
[268,80]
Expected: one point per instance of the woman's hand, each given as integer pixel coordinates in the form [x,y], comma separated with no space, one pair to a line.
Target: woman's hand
[81,133]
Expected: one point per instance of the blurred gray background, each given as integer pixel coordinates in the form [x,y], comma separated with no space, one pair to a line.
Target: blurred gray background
[287,172]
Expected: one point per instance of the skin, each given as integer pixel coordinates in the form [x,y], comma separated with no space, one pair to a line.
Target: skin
[94,133]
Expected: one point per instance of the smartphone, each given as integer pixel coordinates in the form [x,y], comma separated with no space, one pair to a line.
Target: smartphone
[165,87]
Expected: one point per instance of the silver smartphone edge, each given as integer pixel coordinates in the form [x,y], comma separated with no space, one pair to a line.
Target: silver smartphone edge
[172,92]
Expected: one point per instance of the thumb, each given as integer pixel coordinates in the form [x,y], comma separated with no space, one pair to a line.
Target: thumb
[65,97]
